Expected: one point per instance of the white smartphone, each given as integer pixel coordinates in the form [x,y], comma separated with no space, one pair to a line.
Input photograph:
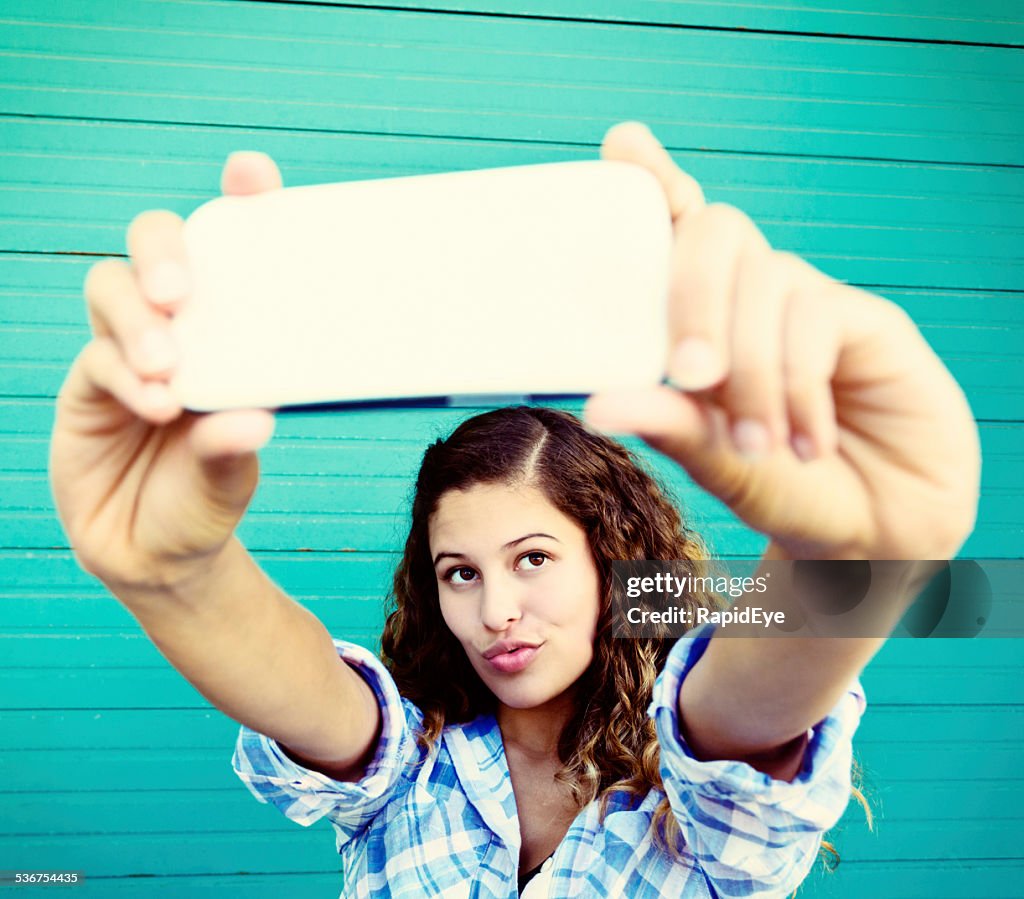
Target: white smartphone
[538,280]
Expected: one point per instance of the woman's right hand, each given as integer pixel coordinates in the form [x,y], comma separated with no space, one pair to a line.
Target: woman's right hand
[149,494]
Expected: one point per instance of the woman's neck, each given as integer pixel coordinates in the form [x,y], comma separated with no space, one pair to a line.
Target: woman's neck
[534,732]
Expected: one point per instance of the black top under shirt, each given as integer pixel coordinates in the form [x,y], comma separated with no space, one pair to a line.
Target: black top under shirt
[524,879]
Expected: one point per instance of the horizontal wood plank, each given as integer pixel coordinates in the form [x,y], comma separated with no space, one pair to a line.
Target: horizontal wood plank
[322,68]
[988,21]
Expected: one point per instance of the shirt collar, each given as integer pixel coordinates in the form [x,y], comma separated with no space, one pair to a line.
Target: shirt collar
[478,755]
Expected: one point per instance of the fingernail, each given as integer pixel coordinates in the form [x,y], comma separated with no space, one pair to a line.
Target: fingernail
[803,446]
[166,281]
[694,364]
[157,398]
[751,438]
[157,350]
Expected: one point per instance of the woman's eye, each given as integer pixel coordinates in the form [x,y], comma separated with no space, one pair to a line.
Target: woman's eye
[451,576]
[535,559]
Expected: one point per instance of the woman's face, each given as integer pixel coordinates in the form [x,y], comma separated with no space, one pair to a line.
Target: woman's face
[512,569]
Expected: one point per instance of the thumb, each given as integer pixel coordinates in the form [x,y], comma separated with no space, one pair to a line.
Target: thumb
[693,433]
[660,413]
[224,445]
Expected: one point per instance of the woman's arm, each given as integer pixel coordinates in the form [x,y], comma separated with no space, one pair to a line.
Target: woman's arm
[753,698]
[821,417]
[264,660]
[150,495]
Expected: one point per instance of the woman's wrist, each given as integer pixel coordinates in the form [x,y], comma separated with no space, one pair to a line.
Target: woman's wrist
[183,586]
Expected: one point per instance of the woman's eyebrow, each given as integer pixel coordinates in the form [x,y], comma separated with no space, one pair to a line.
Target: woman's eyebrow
[508,545]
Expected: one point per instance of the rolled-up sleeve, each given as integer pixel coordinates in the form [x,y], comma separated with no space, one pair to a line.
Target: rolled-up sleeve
[304,795]
[753,835]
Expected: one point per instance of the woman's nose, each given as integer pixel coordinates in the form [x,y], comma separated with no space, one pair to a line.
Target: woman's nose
[500,604]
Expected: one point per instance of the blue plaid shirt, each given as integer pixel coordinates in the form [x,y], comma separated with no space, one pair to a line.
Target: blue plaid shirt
[448,827]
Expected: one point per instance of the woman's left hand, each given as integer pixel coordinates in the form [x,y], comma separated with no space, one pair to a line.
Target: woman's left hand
[816,411]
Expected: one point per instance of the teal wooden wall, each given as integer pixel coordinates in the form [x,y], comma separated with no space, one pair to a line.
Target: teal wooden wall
[881,140]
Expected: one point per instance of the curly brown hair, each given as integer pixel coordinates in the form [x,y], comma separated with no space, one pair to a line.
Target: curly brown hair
[609,744]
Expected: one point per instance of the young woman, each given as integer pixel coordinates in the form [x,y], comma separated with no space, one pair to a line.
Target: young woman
[504,729]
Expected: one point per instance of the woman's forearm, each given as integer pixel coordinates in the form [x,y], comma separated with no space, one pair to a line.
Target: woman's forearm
[261,658]
[753,698]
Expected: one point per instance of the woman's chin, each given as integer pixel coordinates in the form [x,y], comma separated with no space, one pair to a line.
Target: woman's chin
[523,696]
[522,701]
